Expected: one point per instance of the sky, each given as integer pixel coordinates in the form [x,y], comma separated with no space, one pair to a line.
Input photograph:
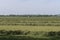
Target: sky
[29,7]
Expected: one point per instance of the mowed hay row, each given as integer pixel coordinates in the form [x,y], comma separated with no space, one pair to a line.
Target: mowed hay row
[31,28]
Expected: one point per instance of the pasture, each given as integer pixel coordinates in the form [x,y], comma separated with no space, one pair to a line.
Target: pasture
[35,27]
[30,23]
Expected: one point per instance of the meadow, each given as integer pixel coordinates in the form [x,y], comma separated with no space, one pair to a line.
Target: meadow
[41,27]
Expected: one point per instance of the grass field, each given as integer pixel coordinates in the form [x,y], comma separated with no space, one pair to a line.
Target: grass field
[30,21]
[31,25]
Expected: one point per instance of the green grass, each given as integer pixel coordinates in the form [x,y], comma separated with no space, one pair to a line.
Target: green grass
[35,25]
[30,21]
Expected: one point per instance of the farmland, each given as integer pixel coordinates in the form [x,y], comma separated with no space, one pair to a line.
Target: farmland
[30,21]
[32,26]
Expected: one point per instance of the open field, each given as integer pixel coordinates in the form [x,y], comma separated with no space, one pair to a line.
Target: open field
[37,28]
[30,21]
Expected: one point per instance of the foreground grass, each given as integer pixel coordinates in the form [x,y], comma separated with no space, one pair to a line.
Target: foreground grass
[27,38]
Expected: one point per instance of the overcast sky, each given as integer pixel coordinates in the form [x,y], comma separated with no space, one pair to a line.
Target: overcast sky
[29,7]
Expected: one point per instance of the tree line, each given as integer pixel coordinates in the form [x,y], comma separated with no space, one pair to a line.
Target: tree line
[27,15]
